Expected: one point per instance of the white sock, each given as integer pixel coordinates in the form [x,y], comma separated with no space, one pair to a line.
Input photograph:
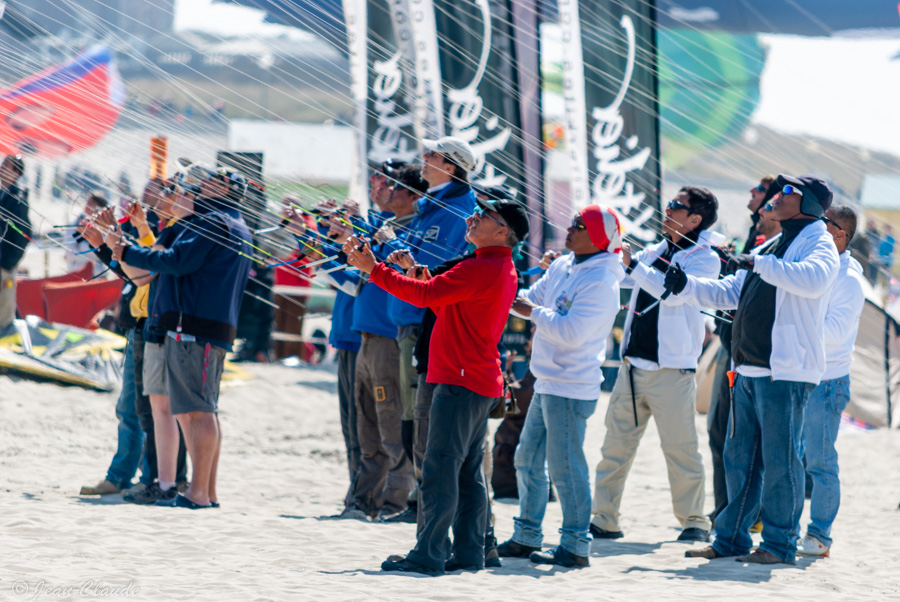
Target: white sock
[165,485]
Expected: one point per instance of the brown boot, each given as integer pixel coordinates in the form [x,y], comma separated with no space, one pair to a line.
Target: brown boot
[104,487]
[708,552]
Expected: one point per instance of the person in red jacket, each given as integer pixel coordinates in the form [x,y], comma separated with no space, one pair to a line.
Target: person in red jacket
[472,302]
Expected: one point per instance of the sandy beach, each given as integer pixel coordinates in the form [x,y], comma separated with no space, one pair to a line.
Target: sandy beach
[282,473]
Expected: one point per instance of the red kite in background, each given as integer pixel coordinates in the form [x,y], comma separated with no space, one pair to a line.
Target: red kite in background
[63,109]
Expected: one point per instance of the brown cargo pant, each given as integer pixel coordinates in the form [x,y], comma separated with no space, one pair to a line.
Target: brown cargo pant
[385,475]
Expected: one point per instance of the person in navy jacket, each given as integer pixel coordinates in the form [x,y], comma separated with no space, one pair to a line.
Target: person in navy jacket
[202,277]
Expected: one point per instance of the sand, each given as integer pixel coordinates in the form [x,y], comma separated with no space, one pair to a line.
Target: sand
[282,473]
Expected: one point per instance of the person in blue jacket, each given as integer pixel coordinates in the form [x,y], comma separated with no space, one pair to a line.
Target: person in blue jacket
[202,277]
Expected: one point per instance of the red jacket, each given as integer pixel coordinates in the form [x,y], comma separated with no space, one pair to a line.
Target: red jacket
[472,302]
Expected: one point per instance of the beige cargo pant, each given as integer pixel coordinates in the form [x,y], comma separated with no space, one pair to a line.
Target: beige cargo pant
[668,396]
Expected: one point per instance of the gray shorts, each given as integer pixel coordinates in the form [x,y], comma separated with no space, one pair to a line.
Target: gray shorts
[193,370]
[155,369]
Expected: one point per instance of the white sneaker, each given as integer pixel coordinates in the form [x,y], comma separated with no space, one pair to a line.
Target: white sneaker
[810,546]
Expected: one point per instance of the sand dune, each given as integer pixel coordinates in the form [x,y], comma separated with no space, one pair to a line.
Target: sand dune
[283,474]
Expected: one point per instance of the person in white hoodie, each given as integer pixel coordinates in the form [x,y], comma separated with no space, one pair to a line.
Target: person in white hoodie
[660,349]
[778,349]
[823,410]
[573,307]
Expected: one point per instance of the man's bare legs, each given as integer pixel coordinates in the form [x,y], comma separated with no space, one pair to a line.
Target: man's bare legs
[201,434]
[213,496]
[166,430]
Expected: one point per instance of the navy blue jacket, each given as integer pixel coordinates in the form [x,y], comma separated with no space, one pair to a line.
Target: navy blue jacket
[202,275]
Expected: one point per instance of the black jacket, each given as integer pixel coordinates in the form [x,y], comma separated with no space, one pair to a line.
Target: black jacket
[13,210]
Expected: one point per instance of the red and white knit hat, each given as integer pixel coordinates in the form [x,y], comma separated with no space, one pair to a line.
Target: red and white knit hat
[603,227]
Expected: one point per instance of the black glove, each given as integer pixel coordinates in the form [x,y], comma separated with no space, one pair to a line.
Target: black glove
[739,262]
[676,279]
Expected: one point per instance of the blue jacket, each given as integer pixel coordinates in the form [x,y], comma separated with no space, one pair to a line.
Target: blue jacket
[368,302]
[436,234]
[342,336]
[202,275]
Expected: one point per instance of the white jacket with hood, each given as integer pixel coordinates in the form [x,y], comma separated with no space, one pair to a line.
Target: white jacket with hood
[803,279]
[845,305]
[578,306]
[681,326]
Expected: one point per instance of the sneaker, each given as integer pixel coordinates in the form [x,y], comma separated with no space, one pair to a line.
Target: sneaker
[757,527]
[694,534]
[104,487]
[403,565]
[810,546]
[352,513]
[135,489]
[492,559]
[407,516]
[511,549]
[599,533]
[455,565]
[182,486]
[560,556]
[760,556]
[147,495]
[708,552]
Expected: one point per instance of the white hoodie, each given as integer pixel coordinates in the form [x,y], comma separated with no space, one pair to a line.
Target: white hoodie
[803,279]
[845,305]
[578,306]
[680,327]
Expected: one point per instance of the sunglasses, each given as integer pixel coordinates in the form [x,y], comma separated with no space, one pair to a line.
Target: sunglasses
[481,214]
[769,206]
[675,205]
[576,225]
[791,190]
[760,188]
[833,223]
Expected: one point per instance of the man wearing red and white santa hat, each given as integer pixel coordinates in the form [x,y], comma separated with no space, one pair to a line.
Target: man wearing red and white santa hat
[573,307]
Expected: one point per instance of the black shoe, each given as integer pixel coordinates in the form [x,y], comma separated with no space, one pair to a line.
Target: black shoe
[694,534]
[492,558]
[511,549]
[407,516]
[455,565]
[599,533]
[150,495]
[561,556]
[401,564]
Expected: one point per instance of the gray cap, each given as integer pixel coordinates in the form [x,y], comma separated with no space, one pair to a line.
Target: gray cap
[454,149]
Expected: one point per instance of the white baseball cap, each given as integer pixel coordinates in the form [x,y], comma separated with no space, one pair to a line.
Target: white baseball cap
[454,149]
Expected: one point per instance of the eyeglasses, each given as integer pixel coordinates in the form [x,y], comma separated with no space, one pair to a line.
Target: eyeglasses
[481,214]
[576,225]
[833,223]
[675,205]
[791,190]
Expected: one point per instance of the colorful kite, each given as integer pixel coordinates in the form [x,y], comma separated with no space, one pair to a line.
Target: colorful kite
[63,109]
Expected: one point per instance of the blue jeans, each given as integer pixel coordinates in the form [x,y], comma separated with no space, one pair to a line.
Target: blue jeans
[553,436]
[763,465]
[131,438]
[820,430]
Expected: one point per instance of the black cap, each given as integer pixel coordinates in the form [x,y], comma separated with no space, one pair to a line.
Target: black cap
[388,167]
[512,212]
[496,193]
[817,195]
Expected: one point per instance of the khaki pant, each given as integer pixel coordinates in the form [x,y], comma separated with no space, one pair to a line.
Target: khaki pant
[408,377]
[385,475]
[7,298]
[668,396]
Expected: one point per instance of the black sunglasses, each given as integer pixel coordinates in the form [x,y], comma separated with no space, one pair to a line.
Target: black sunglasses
[675,205]
[577,225]
[833,223]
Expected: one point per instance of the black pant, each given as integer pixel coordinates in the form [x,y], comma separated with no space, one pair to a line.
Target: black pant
[453,490]
[718,433]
